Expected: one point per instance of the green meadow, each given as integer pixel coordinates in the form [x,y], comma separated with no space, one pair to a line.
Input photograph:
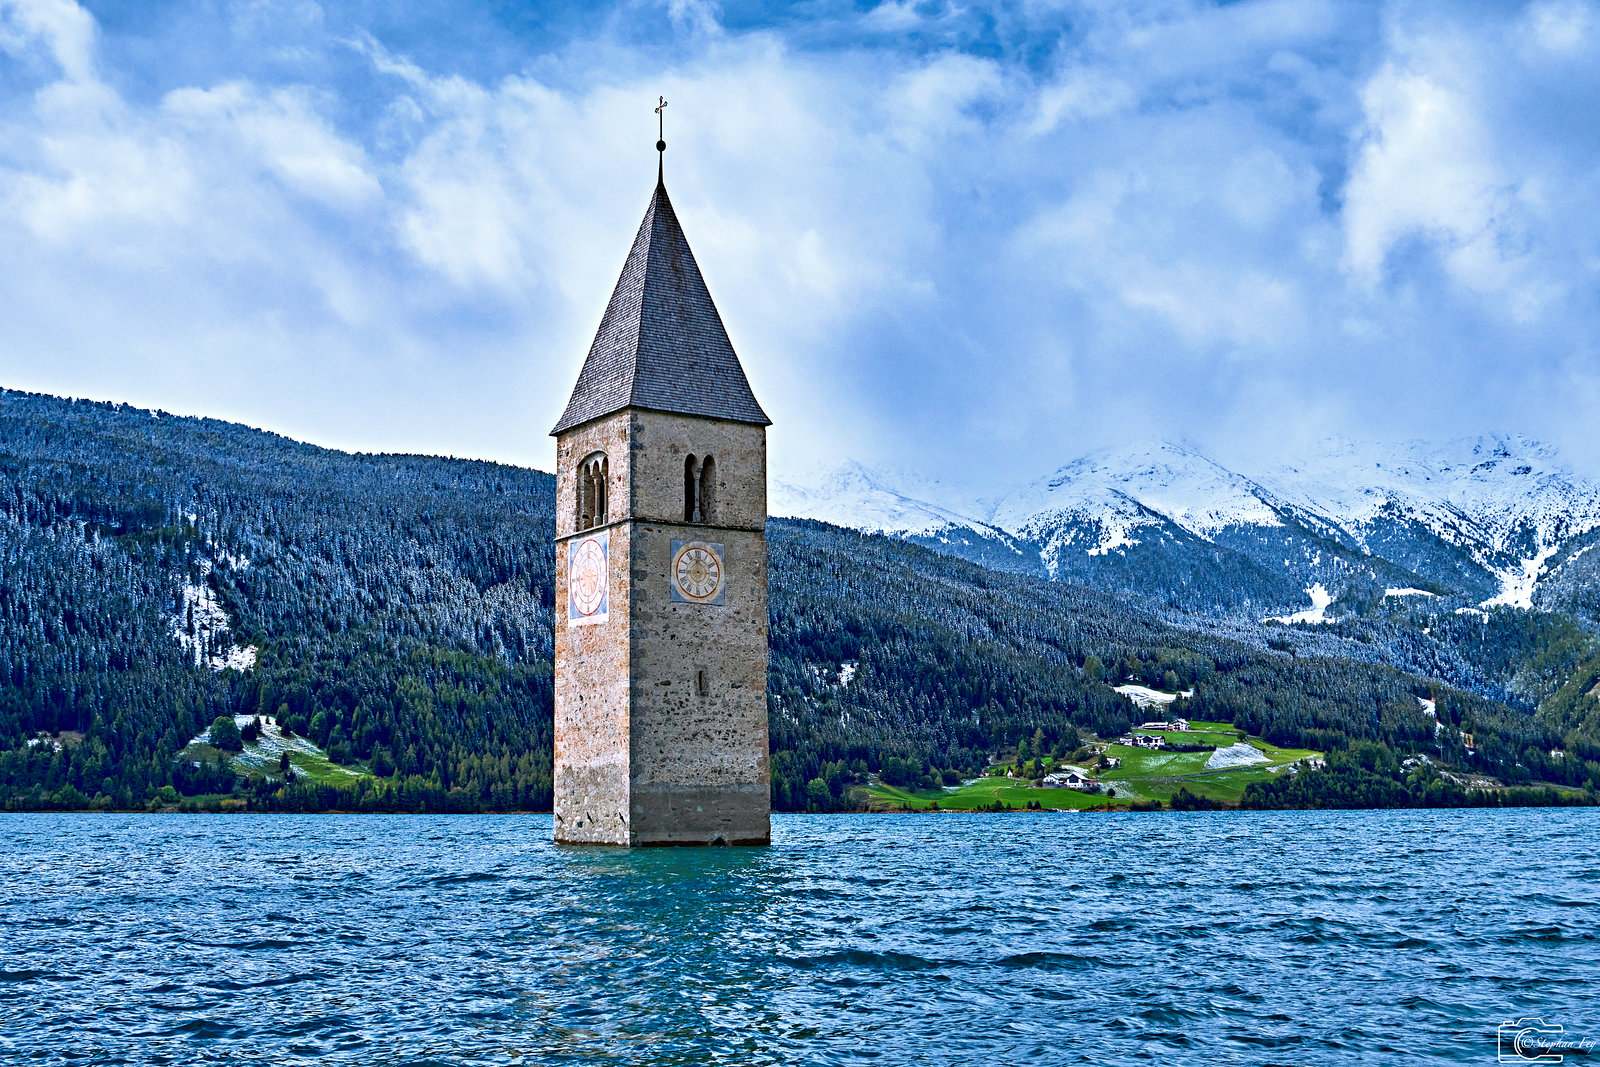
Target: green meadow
[262,757]
[980,795]
[1143,775]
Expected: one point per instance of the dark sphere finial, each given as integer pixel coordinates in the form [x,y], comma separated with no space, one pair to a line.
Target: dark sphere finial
[661,146]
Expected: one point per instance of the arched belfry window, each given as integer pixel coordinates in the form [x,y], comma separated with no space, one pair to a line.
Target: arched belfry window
[691,489]
[591,481]
[699,489]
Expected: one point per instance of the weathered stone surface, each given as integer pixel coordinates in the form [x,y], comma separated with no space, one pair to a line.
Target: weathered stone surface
[662,442]
[661,710]
[610,436]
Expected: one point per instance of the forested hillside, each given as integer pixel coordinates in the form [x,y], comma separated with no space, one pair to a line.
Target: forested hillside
[156,572]
[951,660]
[399,604]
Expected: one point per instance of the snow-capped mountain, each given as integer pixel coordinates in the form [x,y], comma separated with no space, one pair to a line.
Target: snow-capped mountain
[1125,489]
[893,502]
[1508,503]
[901,504]
[1490,521]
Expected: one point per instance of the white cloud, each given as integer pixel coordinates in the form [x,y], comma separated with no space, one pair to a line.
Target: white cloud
[65,28]
[695,16]
[79,165]
[1082,94]
[282,131]
[1427,167]
[1203,217]
[1160,227]
[1461,158]
[464,211]
[892,17]
[934,100]
[1562,26]
[98,188]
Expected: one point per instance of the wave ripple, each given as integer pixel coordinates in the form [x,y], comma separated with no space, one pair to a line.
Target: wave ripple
[1304,937]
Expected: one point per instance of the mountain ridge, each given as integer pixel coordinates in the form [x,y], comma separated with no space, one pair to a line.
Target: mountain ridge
[1490,521]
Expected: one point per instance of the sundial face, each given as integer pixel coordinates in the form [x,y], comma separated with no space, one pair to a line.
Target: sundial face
[698,572]
[589,579]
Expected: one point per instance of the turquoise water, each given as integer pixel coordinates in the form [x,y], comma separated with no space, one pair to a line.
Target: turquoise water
[1273,937]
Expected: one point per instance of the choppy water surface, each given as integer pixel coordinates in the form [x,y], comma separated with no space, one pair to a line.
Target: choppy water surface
[1288,937]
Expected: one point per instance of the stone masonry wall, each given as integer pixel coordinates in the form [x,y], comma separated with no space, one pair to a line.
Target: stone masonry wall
[591,662]
[641,757]
[610,435]
[660,444]
[699,763]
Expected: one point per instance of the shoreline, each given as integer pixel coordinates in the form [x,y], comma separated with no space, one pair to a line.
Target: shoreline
[1532,798]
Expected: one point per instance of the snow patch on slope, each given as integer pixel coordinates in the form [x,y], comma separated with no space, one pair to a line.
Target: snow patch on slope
[1317,612]
[1113,538]
[1237,754]
[201,627]
[1147,698]
[1517,583]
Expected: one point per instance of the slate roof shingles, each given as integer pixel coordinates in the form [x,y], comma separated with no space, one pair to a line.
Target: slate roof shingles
[661,344]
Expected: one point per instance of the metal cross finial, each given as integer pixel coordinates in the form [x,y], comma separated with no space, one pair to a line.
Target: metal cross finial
[661,141]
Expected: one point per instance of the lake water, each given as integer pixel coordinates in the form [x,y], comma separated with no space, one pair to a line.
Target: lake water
[1206,937]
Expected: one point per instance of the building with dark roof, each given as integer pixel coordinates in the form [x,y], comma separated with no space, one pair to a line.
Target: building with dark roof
[661,569]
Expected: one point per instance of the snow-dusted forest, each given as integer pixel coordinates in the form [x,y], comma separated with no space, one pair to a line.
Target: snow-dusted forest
[395,611]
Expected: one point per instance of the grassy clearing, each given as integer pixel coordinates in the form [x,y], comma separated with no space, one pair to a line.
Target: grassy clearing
[1144,762]
[1160,775]
[262,756]
[1224,786]
[1195,737]
[1144,775]
[982,793]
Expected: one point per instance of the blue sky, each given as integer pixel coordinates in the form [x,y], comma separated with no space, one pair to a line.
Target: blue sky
[956,238]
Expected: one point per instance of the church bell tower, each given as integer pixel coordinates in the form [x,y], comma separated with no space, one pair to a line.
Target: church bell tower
[661,569]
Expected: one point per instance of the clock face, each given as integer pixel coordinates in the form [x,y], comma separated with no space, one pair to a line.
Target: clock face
[588,579]
[697,572]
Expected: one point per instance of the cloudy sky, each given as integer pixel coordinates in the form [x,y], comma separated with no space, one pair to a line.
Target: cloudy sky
[957,238]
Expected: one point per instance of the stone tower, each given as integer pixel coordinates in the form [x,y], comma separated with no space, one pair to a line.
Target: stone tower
[661,569]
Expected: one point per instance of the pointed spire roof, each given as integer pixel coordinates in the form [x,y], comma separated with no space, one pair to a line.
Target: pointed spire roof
[661,344]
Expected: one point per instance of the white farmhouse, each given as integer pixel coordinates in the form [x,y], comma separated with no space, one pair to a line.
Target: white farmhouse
[1069,780]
